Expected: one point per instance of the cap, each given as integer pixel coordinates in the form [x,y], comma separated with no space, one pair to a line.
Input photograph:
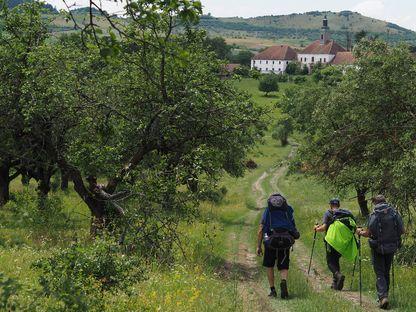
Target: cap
[334,201]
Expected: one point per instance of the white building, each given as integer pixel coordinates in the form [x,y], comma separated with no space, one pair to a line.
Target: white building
[274,59]
[322,51]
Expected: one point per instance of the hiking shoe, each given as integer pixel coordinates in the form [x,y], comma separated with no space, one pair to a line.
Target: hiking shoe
[339,281]
[273,294]
[284,294]
[384,303]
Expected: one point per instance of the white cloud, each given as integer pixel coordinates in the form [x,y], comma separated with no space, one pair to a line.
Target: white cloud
[373,8]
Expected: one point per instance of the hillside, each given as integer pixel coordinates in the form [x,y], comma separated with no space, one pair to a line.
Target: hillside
[301,29]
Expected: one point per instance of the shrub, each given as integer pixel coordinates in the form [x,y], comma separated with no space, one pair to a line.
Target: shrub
[251,164]
[255,74]
[8,290]
[27,213]
[299,79]
[243,71]
[269,83]
[77,276]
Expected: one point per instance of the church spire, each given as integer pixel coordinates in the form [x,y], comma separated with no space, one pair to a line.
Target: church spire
[325,31]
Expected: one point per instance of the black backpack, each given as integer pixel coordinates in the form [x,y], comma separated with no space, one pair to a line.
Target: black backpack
[343,216]
[385,231]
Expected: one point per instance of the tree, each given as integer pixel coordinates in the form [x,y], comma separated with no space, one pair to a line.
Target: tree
[294,68]
[218,45]
[23,31]
[362,34]
[283,129]
[151,116]
[360,134]
[269,83]
[243,57]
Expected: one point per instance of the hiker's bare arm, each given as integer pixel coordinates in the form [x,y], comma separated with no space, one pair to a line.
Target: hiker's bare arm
[259,240]
[363,232]
[320,228]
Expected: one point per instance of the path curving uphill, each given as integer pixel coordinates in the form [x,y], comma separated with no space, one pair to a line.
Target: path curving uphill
[319,279]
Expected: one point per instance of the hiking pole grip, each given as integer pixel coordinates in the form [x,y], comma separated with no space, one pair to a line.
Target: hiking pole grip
[313,247]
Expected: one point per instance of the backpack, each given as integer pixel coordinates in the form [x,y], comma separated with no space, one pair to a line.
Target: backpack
[385,231]
[346,217]
[340,234]
[280,238]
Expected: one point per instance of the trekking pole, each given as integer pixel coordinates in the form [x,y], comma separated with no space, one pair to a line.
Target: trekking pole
[359,260]
[313,247]
[392,275]
[353,272]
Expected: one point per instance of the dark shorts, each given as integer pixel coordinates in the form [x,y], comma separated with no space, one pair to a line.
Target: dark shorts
[273,257]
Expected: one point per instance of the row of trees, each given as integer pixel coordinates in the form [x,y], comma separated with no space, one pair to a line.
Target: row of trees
[143,110]
[224,51]
[360,126]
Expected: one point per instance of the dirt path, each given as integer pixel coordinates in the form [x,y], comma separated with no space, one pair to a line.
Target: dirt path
[245,268]
[259,191]
[244,263]
[319,279]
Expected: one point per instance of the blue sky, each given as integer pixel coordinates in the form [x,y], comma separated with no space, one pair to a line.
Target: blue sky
[401,12]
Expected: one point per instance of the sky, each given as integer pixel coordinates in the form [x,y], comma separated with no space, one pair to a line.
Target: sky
[401,12]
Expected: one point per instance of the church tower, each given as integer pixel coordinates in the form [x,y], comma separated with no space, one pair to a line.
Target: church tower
[325,36]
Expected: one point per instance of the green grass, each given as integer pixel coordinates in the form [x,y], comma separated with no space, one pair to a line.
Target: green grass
[197,282]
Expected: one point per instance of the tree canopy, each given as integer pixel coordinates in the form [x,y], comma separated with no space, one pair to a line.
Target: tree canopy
[360,126]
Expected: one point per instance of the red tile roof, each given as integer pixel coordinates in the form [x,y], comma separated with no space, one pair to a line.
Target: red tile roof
[343,58]
[330,47]
[281,52]
[231,67]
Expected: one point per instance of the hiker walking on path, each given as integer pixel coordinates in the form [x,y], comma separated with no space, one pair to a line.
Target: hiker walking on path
[339,225]
[278,232]
[385,228]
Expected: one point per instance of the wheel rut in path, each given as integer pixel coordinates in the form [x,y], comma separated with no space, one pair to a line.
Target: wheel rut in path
[319,279]
[244,266]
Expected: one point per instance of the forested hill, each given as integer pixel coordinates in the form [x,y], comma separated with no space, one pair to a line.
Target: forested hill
[301,29]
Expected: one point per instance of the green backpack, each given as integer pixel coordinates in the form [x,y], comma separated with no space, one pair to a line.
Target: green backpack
[340,235]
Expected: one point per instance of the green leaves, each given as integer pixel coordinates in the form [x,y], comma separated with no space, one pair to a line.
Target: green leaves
[360,126]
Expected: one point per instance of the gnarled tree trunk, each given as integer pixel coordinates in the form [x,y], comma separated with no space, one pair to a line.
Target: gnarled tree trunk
[4,184]
[64,180]
[362,202]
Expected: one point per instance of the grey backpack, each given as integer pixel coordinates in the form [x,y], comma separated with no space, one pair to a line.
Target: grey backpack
[385,231]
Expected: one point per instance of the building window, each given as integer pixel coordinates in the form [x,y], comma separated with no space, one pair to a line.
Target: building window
[287,62]
[279,69]
[260,62]
[254,62]
[324,60]
[320,60]
[273,62]
[279,62]
[313,59]
[322,37]
[267,62]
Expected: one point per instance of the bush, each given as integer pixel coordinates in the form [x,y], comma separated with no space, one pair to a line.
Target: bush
[216,195]
[28,212]
[8,290]
[269,83]
[255,74]
[299,79]
[77,276]
[251,164]
[283,77]
[243,71]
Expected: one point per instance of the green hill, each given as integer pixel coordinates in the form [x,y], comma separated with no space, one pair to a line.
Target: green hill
[301,29]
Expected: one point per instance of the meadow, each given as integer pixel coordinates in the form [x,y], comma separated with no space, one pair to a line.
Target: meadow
[202,279]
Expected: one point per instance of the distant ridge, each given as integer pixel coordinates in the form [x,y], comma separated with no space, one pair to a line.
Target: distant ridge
[302,28]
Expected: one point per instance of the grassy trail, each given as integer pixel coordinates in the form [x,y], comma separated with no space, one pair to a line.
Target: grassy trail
[319,277]
[307,293]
